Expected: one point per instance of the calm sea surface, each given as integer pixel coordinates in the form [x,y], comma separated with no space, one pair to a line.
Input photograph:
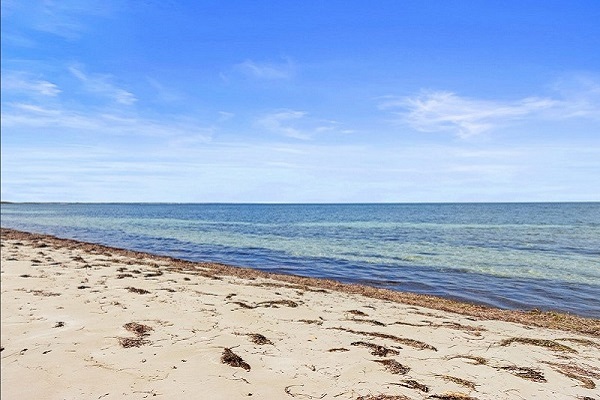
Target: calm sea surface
[517,256]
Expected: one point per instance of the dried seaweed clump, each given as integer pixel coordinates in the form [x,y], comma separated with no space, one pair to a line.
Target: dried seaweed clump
[452,396]
[367,321]
[133,342]
[474,330]
[311,321]
[138,329]
[394,366]
[458,381]
[478,360]
[275,303]
[549,344]
[576,372]
[243,305]
[43,293]
[412,384]
[358,313]
[138,291]
[408,342]
[383,397]
[376,349]
[232,359]
[259,339]
[584,342]
[525,373]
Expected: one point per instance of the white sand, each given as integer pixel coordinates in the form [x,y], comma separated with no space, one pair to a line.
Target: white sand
[64,312]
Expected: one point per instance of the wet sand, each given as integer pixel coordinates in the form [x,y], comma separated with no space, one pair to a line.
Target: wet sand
[82,320]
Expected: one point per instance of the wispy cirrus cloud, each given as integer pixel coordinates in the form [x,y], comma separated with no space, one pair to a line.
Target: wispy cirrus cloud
[40,118]
[445,111]
[282,123]
[297,124]
[19,82]
[267,70]
[581,94]
[437,111]
[65,18]
[101,84]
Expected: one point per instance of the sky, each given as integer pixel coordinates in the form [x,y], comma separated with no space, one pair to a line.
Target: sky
[300,101]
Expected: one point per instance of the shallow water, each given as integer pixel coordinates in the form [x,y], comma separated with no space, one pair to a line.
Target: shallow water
[518,256]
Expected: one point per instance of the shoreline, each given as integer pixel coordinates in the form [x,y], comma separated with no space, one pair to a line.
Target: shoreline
[508,257]
[543,319]
[81,320]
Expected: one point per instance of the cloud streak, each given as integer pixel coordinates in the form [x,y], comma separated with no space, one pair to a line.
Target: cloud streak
[24,84]
[267,71]
[100,84]
[297,125]
[31,117]
[445,111]
[65,19]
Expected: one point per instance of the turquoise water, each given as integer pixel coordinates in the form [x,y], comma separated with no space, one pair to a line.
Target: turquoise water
[517,256]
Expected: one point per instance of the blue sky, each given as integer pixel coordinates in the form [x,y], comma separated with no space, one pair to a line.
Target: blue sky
[300,101]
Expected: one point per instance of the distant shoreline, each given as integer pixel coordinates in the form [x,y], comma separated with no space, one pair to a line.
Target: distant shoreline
[266,203]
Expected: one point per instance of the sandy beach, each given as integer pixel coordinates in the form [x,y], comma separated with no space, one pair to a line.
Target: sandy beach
[84,321]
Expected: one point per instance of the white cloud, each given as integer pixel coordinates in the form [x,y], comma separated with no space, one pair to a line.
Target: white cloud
[22,83]
[101,84]
[299,125]
[581,94]
[269,71]
[64,18]
[445,111]
[280,123]
[573,97]
[165,94]
[25,116]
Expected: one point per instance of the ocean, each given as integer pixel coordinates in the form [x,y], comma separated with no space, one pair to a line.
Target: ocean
[526,256]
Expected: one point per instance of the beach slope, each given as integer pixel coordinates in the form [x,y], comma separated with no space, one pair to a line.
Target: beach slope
[87,321]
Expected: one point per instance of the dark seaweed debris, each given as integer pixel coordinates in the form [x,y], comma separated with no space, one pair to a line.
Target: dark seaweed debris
[408,342]
[138,291]
[394,366]
[549,344]
[452,396]
[376,349]
[138,329]
[526,373]
[132,342]
[259,339]
[232,359]
[412,384]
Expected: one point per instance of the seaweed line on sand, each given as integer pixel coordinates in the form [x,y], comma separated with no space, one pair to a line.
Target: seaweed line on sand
[408,342]
[412,384]
[458,381]
[394,366]
[549,344]
[376,350]
[525,373]
[576,372]
[553,320]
